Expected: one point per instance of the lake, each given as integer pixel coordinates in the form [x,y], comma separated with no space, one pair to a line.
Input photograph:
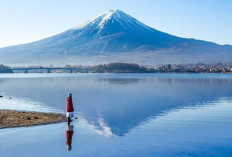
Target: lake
[121,115]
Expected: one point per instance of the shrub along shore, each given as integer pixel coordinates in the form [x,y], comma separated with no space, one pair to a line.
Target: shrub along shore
[124,68]
[9,118]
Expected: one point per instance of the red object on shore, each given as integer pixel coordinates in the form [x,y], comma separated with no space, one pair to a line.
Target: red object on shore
[70,107]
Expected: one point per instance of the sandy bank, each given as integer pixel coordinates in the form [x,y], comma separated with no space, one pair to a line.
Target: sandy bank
[10,118]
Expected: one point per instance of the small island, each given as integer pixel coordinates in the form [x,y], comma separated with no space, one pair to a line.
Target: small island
[9,118]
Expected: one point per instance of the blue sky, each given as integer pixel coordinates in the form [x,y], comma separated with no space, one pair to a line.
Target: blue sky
[23,21]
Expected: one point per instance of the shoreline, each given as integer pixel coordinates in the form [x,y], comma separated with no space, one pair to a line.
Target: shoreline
[157,72]
[13,118]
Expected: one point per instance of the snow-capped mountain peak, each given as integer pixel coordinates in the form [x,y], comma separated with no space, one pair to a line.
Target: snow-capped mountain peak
[115,32]
[108,15]
[113,16]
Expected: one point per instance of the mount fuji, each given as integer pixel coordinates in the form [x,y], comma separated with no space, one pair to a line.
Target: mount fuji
[115,36]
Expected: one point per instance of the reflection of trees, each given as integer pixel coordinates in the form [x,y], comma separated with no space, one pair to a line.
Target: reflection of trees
[121,80]
[206,81]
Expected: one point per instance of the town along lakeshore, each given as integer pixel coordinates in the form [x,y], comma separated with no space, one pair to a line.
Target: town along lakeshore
[123,68]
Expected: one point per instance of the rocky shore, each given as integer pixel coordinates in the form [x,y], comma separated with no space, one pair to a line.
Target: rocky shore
[9,118]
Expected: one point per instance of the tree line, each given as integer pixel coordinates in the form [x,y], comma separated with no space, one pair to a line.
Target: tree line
[120,68]
[5,69]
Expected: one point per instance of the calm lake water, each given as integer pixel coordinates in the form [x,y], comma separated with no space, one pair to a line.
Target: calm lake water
[122,115]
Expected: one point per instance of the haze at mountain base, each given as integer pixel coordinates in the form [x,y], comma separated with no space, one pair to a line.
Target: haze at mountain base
[114,36]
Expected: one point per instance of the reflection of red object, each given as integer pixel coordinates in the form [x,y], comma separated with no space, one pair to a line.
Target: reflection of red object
[69,135]
[70,107]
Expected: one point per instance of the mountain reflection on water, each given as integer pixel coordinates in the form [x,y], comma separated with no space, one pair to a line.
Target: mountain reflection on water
[122,115]
[115,105]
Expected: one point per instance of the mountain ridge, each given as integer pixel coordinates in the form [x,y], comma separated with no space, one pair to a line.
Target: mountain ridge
[114,32]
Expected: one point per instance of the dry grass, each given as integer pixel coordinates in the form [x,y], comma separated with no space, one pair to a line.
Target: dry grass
[10,118]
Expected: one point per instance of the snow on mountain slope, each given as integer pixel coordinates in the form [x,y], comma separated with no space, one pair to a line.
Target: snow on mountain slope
[113,32]
[125,20]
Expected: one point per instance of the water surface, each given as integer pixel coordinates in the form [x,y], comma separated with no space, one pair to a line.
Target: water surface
[122,114]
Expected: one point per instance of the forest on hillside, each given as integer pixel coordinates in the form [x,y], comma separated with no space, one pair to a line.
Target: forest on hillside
[5,69]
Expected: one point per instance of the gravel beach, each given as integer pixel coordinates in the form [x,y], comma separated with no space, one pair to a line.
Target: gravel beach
[9,118]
